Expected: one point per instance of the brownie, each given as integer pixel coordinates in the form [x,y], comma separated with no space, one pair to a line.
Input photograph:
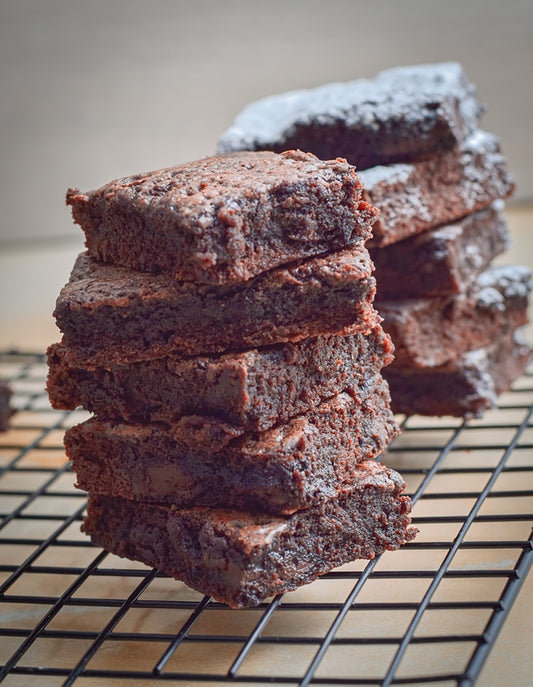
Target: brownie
[241,558]
[202,461]
[430,193]
[402,114]
[441,261]
[225,219]
[253,390]
[5,410]
[428,332]
[112,315]
[467,386]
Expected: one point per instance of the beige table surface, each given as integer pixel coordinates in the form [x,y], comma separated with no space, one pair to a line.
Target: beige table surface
[30,278]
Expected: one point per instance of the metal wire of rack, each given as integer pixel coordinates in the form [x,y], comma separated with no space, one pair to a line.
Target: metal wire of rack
[427,614]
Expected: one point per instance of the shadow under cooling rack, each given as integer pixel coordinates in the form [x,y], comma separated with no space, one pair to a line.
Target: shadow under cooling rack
[427,614]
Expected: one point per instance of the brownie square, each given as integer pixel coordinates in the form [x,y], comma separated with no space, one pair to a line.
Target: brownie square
[466,386]
[428,332]
[441,261]
[403,114]
[225,219]
[422,195]
[241,558]
[252,390]
[112,314]
[202,461]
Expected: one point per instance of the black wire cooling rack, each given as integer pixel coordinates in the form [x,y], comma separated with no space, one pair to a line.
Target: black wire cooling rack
[427,614]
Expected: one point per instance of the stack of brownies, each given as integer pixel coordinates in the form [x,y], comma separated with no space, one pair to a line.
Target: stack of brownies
[220,327]
[438,182]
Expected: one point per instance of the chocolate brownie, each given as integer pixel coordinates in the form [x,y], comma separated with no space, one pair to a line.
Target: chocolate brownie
[240,558]
[441,261]
[465,387]
[402,114]
[201,461]
[225,219]
[253,390]
[5,410]
[423,195]
[115,315]
[427,332]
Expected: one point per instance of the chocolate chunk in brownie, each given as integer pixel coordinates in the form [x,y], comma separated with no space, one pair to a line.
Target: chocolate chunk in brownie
[441,261]
[401,115]
[428,332]
[5,410]
[468,386]
[254,390]
[225,219]
[114,315]
[423,195]
[202,461]
[241,558]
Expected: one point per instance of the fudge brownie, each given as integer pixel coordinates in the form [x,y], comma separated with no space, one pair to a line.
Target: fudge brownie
[202,461]
[5,410]
[111,314]
[427,332]
[441,261]
[225,219]
[465,387]
[401,115]
[253,390]
[240,558]
[423,195]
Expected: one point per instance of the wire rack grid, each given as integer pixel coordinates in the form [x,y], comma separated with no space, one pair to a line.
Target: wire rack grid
[428,614]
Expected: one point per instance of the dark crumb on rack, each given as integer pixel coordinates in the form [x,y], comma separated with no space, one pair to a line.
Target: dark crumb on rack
[5,409]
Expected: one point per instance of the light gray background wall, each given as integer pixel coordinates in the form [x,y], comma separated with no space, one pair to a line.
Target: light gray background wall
[94,90]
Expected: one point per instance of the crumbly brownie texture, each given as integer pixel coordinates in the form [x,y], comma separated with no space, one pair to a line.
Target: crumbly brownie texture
[5,410]
[200,461]
[441,261]
[112,315]
[225,219]
[241,558]
[428,332]
[468,386]
[402,114]
[253,390]
[424,195]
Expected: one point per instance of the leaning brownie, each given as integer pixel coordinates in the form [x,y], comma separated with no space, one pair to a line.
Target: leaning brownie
[466,386]
[431,331]
[201,461]
[5,410]
[423,195]
[441,261]
[225,219]
[253,390]
[111,315]
[240,558]
[402,114]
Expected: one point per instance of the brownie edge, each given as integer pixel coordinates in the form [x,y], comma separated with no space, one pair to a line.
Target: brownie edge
[241,558]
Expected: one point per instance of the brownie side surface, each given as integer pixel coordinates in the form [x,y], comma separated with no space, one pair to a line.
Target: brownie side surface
[468,386]
[402,114]
[225,219]
[431,331]
[441,261]
[254,390]
[241,558]
[198,461]
[111,314]
[412,198]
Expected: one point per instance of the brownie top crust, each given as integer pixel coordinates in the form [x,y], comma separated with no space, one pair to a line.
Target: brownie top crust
[225,219]
[402,114]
